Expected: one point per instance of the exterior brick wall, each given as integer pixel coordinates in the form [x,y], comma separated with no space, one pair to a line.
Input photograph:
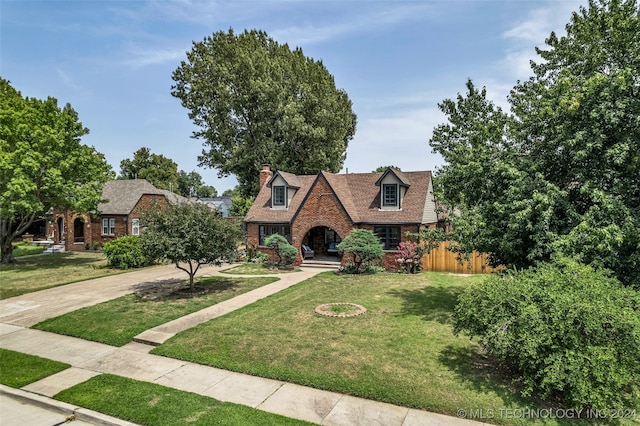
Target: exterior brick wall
[389,259]
[321,208]
[92,227]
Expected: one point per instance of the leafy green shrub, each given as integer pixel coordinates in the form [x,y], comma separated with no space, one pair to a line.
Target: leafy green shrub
[363,246]
[125,253]
[569,330]
[284,253]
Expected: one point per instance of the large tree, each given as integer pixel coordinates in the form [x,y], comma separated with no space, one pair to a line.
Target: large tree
[189,235]
[192,185]
[256,101]
[561,172]
[43,163]
[160,171]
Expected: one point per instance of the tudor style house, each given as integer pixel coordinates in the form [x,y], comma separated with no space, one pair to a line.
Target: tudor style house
[118,215]
[315,212]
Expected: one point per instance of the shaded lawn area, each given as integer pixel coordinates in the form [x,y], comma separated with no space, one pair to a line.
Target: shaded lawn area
[401,351]
[20,369]
[25,249]
[117,321]
[153,404]
[255,269]
[36,273]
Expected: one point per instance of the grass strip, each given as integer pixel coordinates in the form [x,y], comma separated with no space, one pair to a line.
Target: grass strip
[156,405]
[20,369]
[117,321]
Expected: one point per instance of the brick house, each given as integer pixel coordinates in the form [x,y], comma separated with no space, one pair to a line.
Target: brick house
[319,211]
[118,215]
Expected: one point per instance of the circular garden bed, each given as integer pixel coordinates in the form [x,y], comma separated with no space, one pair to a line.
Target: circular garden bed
[340,309]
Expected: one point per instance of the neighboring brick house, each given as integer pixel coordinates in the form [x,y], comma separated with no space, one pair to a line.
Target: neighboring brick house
[320,210]
[118,215]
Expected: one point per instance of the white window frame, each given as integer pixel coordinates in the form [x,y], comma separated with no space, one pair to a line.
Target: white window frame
[109,226]
[135,226]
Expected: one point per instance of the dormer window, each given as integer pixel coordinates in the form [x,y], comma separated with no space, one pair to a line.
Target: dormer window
[390,195]
[279,195]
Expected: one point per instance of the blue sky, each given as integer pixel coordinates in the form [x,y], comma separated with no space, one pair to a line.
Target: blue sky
[112,61]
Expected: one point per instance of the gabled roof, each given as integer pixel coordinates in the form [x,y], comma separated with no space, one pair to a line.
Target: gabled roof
[360,197]
[121,196]
[400,176]
[290,179]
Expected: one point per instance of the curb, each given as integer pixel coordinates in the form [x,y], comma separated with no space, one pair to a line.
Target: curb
[64,408]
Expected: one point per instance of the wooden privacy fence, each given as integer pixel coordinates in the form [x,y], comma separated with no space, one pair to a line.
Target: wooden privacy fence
[442,260]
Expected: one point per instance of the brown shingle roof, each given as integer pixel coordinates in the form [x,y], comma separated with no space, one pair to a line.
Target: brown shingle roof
[359,196]
[121,196]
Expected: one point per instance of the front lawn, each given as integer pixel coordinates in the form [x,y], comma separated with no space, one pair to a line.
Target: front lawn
[401,350]
[24,248]
[36,273]
[254,269]
[117,321]
[156,405]
[20,369]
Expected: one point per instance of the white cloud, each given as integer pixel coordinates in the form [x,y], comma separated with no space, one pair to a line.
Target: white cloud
[143,57]
[401,140]
[525,35]
[353,21]
[67,80]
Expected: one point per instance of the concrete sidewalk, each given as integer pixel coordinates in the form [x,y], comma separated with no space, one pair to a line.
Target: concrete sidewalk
[88,359]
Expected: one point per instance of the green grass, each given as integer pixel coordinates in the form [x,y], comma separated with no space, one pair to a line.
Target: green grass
[117,321]
[254,269]
[41,272]
[401,351]
[152,404]
[25,249]
[19,369]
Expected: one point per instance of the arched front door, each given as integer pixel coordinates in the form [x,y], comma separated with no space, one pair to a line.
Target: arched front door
[323,241]
[60,226]
[78,231]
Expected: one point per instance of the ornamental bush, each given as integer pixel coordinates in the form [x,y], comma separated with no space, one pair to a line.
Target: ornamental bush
[283,253]
[569,331]
[409,258]
[125,253]
[363,246]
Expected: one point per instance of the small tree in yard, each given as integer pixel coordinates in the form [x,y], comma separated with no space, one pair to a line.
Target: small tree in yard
[363,246]
[190,233]
[282,250]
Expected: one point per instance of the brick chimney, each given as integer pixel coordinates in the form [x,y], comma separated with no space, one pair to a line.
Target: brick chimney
[265,174]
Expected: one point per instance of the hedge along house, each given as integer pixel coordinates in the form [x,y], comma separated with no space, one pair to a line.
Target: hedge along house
[319,211]
[118,215]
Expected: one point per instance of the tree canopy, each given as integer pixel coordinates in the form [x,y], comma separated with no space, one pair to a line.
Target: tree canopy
[43,163]
[160,171]
[192,185]
[189,235]
[255,101]
[561,171]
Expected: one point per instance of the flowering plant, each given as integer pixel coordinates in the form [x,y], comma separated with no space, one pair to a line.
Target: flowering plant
[409,258]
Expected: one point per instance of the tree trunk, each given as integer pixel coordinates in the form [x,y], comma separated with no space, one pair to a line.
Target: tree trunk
[7,251]
[7,236]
